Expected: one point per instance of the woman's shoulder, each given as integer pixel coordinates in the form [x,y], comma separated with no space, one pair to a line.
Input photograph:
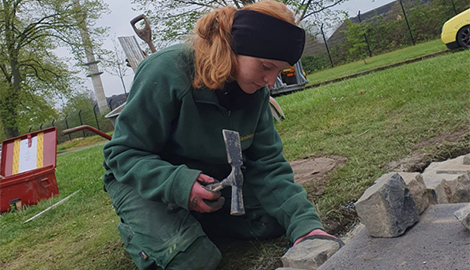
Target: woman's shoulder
[173,51]
[175,59]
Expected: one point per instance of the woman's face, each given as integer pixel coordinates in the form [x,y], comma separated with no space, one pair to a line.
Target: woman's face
[254,73]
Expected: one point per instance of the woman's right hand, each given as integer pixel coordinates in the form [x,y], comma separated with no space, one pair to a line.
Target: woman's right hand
[202,200]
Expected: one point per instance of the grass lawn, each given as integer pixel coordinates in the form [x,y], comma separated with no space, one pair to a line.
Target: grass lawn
[377,61]
[372,120]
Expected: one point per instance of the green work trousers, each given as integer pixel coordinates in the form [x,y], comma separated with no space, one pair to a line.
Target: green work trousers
[159,238]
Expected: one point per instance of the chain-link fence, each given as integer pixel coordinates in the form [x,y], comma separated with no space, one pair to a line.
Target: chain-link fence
[86,116]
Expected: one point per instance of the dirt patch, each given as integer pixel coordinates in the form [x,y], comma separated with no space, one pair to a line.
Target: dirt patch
[312,173]
[444,146]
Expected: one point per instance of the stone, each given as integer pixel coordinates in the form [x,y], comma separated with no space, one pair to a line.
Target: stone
[453,166]
[463,215]
[437,189]
[447,188]
[387,208]
[309,254]
[415,183]
[456,173]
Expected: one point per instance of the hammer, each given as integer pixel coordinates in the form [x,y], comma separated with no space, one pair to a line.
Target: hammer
[235,178]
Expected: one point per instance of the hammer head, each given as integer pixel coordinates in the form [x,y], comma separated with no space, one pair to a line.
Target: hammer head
[235,178]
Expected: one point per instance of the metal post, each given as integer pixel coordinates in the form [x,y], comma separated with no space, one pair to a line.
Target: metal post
[453,6]
[30,130]
[52,124]
[81,122]
[365,37]
[326,45]
[407,24]
[96,118]
[67,125]
[40,127]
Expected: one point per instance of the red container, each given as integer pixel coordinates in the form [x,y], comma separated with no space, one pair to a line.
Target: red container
[28,166]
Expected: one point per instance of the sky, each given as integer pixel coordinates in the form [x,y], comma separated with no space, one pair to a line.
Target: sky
[122,13]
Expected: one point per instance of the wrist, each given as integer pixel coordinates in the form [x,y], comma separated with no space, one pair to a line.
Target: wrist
[313,232]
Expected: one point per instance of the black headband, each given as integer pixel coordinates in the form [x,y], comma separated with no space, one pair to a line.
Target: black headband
[259,35]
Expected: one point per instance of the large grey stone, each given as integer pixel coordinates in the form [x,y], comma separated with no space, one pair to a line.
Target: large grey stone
[309,254]
[463,215]
[387,208]
[415,183]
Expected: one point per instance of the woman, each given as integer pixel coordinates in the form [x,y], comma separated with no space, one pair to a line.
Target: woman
[168,142]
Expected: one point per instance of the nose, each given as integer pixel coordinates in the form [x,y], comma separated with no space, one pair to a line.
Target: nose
[270,78]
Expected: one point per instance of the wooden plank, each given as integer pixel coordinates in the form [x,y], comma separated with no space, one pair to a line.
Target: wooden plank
[133,52]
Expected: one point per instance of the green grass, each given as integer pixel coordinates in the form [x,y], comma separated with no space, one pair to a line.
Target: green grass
[371,120]
[377,61]
[78,234]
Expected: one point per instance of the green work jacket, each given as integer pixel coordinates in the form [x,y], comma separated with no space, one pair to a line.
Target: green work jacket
[169,132]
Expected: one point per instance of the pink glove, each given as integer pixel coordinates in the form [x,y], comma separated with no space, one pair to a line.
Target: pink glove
[202,200]
[319,234]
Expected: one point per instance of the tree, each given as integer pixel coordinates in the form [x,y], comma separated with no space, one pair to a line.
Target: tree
[176,18]
[32,76]
[356,39]
[115,63]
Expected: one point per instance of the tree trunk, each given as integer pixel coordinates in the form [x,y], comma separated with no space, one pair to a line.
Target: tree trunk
[8,114]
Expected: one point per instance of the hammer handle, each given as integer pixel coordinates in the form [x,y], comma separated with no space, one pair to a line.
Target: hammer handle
[237,207]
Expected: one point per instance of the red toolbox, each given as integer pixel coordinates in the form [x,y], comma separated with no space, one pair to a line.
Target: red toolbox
[28,169]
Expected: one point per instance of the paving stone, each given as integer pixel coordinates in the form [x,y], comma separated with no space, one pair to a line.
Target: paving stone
[387,208]
[309,254]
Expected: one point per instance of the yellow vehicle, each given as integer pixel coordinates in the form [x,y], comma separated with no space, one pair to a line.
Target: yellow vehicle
[456,31]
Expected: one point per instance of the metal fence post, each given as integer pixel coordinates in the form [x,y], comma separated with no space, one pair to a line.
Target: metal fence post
[67,125]
[52,124]
[326,44]
[407,24]
[81,122]
[96,117]
[453,6]
[365,37]
[40,127]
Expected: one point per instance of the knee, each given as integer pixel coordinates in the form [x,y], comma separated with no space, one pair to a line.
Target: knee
[201,254]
